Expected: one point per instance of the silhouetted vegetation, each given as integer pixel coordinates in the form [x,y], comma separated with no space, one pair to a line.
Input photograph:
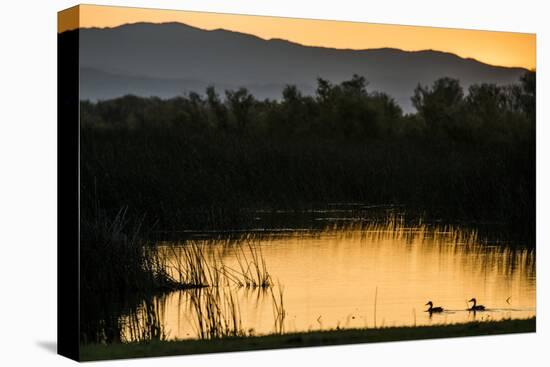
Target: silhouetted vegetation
[121,272]
[200,161]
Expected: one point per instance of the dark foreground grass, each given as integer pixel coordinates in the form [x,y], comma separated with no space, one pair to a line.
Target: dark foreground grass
[317,338]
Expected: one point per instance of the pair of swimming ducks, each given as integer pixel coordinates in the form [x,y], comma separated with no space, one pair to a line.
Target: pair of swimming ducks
[475,307]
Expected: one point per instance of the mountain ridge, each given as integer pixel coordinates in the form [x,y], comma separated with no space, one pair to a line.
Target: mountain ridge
[301,44]
[176,51]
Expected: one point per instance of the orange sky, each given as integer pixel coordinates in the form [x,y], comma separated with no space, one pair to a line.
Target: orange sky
[496,48]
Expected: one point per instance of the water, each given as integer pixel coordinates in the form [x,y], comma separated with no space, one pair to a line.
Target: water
[364,276]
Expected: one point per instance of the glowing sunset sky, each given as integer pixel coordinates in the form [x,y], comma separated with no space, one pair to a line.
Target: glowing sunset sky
[496,48]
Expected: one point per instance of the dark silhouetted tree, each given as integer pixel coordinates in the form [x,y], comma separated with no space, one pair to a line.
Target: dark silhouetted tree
[240,103]
[440,105]
[217,107]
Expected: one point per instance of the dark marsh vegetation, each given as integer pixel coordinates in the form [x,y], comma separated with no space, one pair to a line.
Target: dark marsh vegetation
[125,276]
[199,161]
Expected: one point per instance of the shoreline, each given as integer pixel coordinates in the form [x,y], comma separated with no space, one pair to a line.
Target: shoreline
[94,352]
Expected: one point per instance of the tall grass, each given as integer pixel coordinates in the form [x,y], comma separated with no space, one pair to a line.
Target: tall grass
[115,257]
[252,271]
[189,266]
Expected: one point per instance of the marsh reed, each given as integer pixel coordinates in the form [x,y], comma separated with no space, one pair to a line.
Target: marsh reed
[252,269]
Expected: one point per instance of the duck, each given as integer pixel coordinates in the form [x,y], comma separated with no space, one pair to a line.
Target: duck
[433,309]
[475,306]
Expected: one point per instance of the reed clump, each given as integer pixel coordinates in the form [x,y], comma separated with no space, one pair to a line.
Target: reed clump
[122,271]
[115,257]
[188,265]
[252,271]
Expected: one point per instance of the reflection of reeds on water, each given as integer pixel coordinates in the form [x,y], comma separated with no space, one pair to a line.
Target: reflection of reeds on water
[146,323]
[217,313]
[279,312]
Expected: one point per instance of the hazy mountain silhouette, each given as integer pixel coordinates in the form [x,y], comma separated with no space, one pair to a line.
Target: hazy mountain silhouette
[173,58]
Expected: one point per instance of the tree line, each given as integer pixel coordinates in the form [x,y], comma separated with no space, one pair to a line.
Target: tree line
[347,110]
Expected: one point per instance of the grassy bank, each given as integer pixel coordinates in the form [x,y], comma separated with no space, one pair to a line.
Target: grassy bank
[318,338]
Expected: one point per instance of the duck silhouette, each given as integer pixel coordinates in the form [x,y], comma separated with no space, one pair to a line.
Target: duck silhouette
[475,306]
[433,309]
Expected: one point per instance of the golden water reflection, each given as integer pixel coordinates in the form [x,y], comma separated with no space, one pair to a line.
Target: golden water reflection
[373,276]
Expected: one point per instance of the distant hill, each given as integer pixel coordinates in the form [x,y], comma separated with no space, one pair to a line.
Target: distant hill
[169,59]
